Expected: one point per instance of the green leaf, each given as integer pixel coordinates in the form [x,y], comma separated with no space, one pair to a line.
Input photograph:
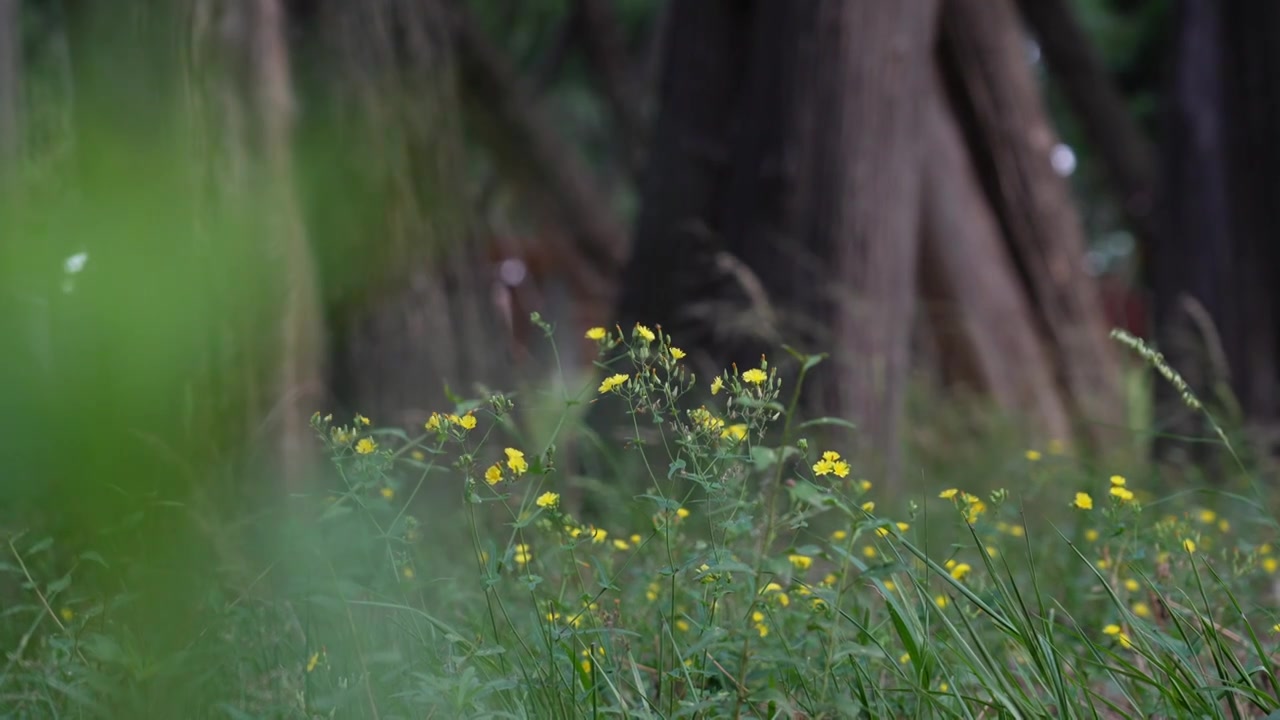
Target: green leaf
[838,422]
[763,457]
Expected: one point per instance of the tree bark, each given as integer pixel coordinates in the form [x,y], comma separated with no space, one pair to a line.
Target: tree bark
[783,192]
[1006,126]
[871,82]
[1216,309]
[978,310]
[1108,124]
[408,285]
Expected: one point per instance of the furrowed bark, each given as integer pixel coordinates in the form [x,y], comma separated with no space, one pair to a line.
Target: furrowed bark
[985,59]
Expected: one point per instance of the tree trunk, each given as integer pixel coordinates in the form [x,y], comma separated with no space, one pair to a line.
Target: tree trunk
[783,192]
[408,287]
[1215,306]
[987,336]
[1007,129]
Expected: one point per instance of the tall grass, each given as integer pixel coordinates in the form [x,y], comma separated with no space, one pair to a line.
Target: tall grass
[754,574]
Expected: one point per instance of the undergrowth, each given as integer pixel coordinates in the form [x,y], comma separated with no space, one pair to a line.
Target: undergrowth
[753,574]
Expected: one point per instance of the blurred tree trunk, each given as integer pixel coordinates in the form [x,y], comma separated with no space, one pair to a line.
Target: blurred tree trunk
[407,286]
[985,58]
[784,192]
[10,86]
[986,334]
[1215,306]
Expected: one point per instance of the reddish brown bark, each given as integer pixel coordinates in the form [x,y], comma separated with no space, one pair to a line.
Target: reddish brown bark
[984,55]
[987,337]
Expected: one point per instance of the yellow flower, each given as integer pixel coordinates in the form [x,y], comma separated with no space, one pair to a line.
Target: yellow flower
[548,500]
[467,422]
[801,562]
[635,539]
[645,333]
[682,625]
[516,461]
[621,544]
[1033,455]
[903,527]
[869,506]
[864,485]
[362,421]
[493,475]
[941,601]
[67,614]
[1141,609]
[418,455]
[313,661]
[755,376]
[1132,585]
[1017,530]
[839,535]
[613,382]
[1207,516]
[1111,629]
[960,571]
[1122,492]
[407,572]
[433,422]
[676,353]
[762,629]
[1117,481]
[904,658]
[717,385]
[682,513]
[1275,628]
[366,446]
[1189,545]
[1091,535]
[736,433]
[1083,501]
[883,532]
[387,493]
[599,535]
[1224,526]
[890,585]
[523,554]
[596,333]
[869,552]
[1270,564]
[948,494]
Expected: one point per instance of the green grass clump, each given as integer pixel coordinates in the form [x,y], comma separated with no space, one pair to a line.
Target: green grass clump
[754,573]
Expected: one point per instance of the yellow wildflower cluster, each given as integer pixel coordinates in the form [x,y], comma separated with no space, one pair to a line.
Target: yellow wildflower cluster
[971,506]
[439,421]
[516,465]
[613,382]
[831,464]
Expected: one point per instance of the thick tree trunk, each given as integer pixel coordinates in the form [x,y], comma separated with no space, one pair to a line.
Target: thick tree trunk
[1108,124]
[978,310]
[783,192]
[1215,302]
[407,286]
[1006,126]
